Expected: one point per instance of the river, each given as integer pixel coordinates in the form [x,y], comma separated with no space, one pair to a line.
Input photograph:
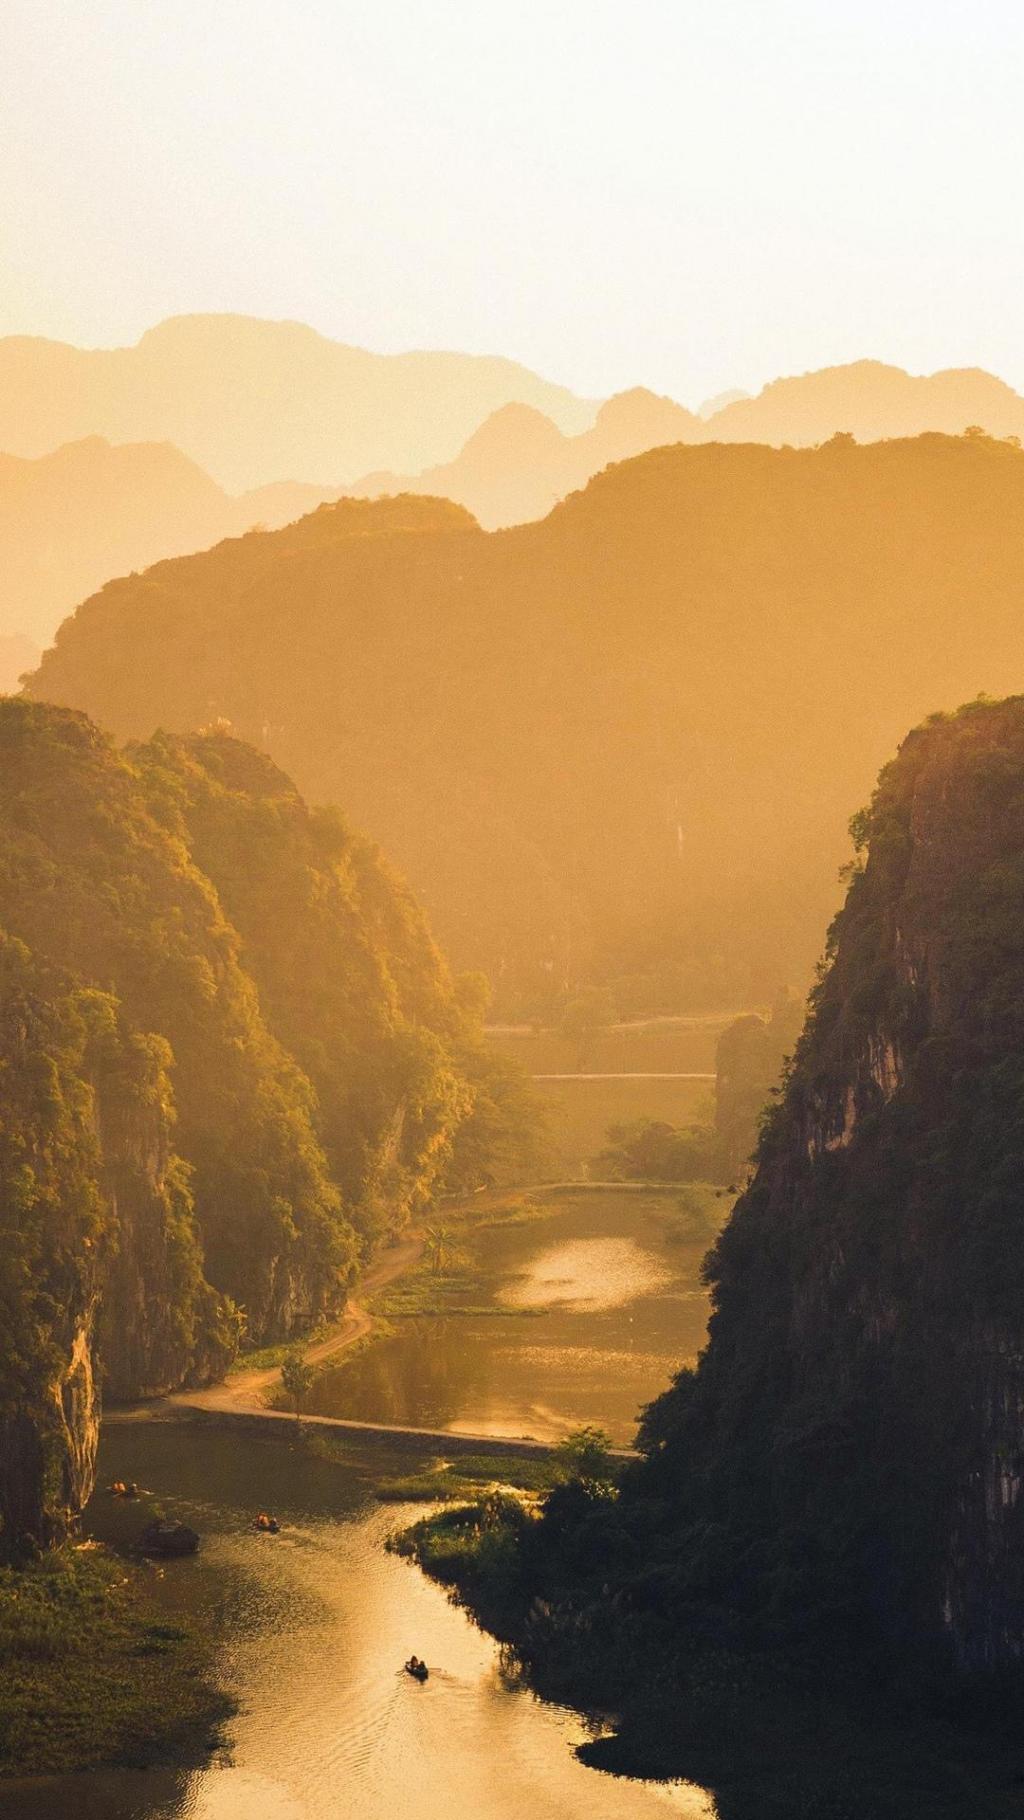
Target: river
[592,1307]
[316,1622]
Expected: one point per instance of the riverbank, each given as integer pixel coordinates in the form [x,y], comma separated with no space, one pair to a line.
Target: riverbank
[313,1625]
[249,1387]
[553,1312]
[774,1735]
[93,1672]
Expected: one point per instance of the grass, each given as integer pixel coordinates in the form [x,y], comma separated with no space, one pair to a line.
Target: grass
[441,1481]
[458,1290]
[468,1475]
[522,1212]
[268,1358]
[92,1672]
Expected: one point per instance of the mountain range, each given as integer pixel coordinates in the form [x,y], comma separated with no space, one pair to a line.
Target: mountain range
[92,509]
[622,742]
[518,465]
[74,516]
[254,401]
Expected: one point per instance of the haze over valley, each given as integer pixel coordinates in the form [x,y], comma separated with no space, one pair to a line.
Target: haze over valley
[617,746]
[511,911]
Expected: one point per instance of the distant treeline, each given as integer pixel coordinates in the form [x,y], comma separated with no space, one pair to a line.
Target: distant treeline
[749,1059]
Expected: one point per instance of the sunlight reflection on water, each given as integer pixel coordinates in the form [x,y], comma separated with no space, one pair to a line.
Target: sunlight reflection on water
[588,1274]
[314,1625]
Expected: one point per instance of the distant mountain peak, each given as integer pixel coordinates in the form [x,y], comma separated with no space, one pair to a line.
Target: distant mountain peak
[514,427]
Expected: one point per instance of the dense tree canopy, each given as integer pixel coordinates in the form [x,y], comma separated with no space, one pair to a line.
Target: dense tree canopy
[271,968]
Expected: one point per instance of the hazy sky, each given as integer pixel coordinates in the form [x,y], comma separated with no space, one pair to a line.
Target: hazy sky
[691,194]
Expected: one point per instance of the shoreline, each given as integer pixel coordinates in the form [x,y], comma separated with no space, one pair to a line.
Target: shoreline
[240,1400]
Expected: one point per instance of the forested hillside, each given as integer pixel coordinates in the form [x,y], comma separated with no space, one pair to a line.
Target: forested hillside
[232,1059]
[839,1482]
[620,743]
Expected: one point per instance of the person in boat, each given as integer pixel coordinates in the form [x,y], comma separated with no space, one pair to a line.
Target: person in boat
[267,1523]
[417,1668]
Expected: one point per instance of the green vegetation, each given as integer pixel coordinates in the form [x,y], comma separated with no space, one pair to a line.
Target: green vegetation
[296,1378]
[231,1057]
[650,1150]
[583,1019]
[462,1290]
[830,1502]
[695,1215]
[92,1672]
[750,1058]
[443,1481]
[267,1358]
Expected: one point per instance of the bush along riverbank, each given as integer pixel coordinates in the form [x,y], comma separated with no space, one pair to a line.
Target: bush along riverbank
[774,1734]
[94,1672]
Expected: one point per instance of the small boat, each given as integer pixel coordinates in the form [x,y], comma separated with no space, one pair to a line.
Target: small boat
[266,1524]
[417,1669]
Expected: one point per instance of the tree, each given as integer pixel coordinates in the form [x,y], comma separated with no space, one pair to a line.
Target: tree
[297,1377]
[584,1018]
[439,1247]
[586,1456]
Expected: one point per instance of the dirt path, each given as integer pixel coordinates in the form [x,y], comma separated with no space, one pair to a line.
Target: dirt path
[244,1390]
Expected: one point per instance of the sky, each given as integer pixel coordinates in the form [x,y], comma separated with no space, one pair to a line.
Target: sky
[686,194]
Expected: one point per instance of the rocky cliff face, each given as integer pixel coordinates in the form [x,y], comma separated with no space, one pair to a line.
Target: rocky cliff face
[858,1417]
[92,1201]
[160,1324]
[48,1445]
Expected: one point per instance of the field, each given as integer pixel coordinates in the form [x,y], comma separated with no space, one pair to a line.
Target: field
[581,1108]
[580,1112]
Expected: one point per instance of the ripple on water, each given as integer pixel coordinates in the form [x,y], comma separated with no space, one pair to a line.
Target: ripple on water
[587,1275]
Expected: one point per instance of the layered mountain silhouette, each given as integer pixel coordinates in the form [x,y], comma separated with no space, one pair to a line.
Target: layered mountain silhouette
[190,437]
[70,520]
[622,742]
[254,401]
[519,464]
[871,401]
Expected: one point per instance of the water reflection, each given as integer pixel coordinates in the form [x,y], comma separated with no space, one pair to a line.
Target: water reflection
[588,1275]
[596,1306]
[315,1625]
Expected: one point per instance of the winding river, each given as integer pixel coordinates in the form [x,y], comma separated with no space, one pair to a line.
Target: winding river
[316,1622]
